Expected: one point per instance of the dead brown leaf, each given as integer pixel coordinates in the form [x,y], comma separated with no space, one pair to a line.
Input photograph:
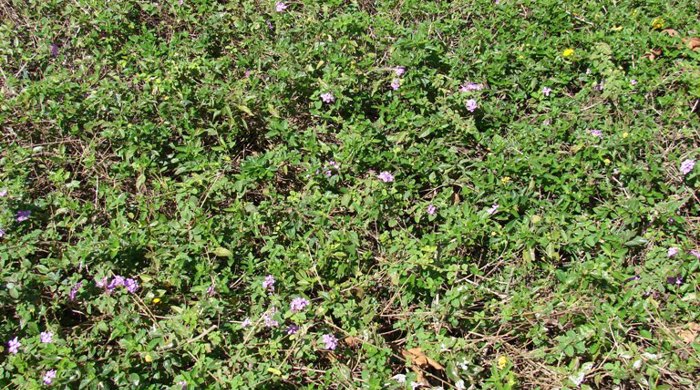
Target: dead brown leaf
[653,54]
[420,378]
[416,355]
[671,32]
[352,341]
[693,43]
[689,335]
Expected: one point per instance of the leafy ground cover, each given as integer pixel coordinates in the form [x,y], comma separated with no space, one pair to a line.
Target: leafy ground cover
[349,194]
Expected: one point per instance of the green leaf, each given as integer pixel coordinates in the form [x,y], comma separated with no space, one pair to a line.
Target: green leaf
[245,109]
[637,241]
[222,252]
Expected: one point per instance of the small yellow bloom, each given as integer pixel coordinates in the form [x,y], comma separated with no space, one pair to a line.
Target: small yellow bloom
[625,134]
[501,362]
[148,358]
[156,300]
[568,53]
[494,234]
[505,180]
[606,161]
[616,28]
[658,23]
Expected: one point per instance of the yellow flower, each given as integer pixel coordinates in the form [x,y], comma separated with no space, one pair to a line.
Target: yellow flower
[156,300]
[501,362]
[606,161]
[505,180]
[568,53]
[625,134]
[616,28]
[148,358]
[658,23]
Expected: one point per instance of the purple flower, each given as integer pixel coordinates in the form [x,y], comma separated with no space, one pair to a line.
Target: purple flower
[687,166]
[695,253]
[395,84]
[431,209]
[298,304]
[23,215]
[74,290]
[117,281]
[399,71]
[211,290]
[2,233]
[471,105]
[677,280]
[672,251]
[292,329]
[131,285]
[386,177]
[182,384]
[269,321]
[600,86]
[54,50]
[633,82]
[332,166]
[330,341]
[596,133]
[49,377]
[13,346]
[493,209]
[246,323]
[3,192]
[633,278]
[46,337]
[546,91]
[102,283]
[269,283]
[327,97]
[471,87]
[280,6]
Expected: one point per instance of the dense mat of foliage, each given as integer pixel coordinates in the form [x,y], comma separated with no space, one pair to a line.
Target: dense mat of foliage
[349,194]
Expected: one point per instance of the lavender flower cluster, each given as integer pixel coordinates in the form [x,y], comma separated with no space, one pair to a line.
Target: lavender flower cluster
[297,305]
[46,337]
[131,285]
